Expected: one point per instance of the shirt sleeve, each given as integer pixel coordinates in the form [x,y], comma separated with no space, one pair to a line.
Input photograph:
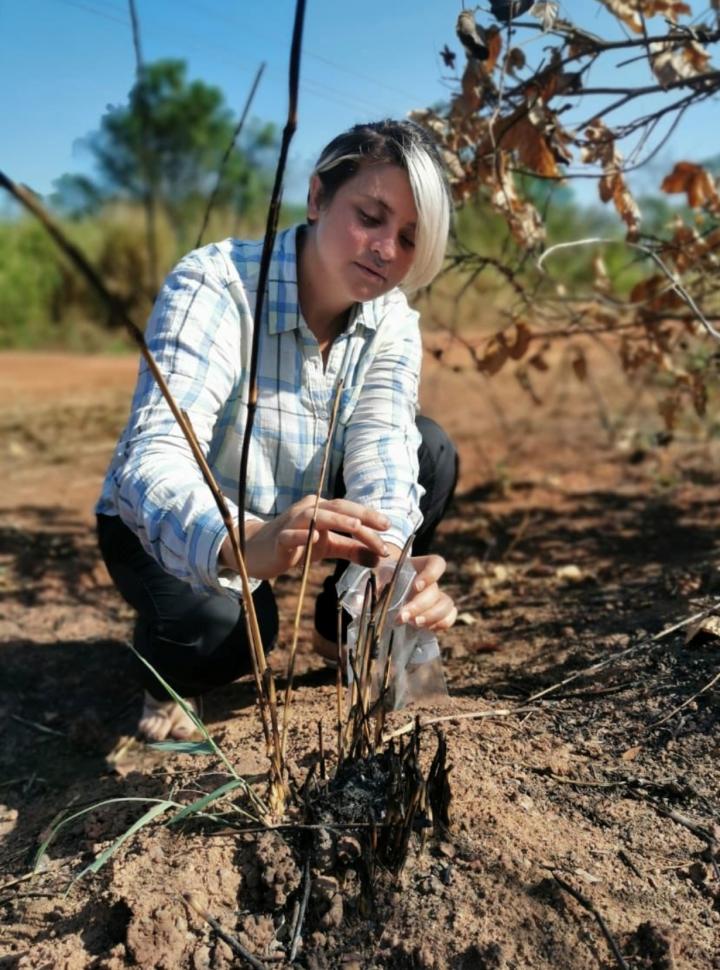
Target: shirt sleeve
[194,335]
[380,463]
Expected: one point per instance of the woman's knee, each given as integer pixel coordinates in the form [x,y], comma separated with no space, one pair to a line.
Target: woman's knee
[438,460]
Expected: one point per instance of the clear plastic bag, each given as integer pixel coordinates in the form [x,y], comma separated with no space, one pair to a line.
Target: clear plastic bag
[415,671]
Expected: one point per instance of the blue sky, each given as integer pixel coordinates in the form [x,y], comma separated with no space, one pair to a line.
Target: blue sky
[63,61]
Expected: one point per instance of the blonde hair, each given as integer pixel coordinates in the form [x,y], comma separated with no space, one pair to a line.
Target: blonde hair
[410,146]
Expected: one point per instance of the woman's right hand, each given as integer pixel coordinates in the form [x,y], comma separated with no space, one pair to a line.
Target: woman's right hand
[343,530]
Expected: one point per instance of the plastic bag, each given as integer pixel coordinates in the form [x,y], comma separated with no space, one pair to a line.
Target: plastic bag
[415,672]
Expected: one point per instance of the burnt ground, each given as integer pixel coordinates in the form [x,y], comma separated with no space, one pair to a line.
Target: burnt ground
[575,539]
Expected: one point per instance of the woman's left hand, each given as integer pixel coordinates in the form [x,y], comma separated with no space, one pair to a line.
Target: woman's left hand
[428,607]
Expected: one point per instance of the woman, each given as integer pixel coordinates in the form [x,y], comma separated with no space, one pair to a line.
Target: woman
[378,216]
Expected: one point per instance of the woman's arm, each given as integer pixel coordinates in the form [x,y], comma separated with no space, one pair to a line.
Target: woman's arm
[381,463]
[194,334]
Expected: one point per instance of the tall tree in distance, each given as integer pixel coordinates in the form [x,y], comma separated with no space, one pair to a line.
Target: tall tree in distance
[171,133]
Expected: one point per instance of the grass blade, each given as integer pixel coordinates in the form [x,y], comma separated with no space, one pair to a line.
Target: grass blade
[255,799]
[149,816]
[197,806]
[55,828]
[183,747]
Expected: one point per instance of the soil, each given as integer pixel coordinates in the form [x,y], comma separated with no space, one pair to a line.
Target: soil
[584,824]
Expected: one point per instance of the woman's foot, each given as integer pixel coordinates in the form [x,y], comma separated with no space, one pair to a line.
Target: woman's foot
[166,719]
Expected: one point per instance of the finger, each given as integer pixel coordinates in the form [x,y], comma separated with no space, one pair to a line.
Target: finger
[296,538]
[429,570]
[446,622]
[327,521]
[419,603]
[369,517]
[370,538]
[437,613]
[345,547]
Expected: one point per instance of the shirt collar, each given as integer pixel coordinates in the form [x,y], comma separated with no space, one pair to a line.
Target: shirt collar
[283,306]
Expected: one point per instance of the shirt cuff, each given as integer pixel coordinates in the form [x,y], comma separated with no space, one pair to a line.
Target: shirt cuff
[211,533]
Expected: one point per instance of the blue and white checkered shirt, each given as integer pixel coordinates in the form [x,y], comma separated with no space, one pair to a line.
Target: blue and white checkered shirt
[200,334]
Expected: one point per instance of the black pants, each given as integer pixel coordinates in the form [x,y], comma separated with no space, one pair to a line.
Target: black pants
[198,641]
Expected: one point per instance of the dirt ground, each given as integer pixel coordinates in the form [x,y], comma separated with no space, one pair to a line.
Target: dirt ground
[585,825]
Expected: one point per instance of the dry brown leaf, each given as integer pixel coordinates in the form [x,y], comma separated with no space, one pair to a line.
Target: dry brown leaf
[466,619]
[600,149]
[704,631]
[515,60]
[631,753]
[533,151]
[699,394]
[656,293]
[523,219]
[669,409]
[494,357]
[671,63]
[631,12]
[493,39]
[518,348]
[696,182]
[538,362]
[570,573]
[579,364]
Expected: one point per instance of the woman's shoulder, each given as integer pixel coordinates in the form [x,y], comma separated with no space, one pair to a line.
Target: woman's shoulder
[391,310]
[234,259]
[228,259]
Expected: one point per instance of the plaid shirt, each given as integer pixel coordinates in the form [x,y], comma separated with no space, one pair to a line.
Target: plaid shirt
[200,334]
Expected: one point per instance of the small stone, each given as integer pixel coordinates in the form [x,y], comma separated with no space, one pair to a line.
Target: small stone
[436,885]
[324,888]
[348,848]
[318,940]
[697,873]
[351,961]
[526,803]
[447,849]
[334,916]
[325,851]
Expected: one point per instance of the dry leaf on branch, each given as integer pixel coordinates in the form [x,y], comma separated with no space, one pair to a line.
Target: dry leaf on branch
[671,63]
[523,336]
[536,137]
[696,182]
[494,357]
[600,149]
[656,294]
[632,12]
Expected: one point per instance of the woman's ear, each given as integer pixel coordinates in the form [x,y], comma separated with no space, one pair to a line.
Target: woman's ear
[314,198]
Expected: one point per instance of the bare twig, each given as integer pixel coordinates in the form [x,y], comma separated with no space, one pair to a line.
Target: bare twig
[297,930]
[228,153]
[149,199]
[594,668]
[473,715]
[307,559]
[16,882]
[589,906]
[194,904]
[38,727]
[676,710]
[268,243]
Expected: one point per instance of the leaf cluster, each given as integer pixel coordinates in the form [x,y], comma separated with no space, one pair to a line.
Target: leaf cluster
[525,117]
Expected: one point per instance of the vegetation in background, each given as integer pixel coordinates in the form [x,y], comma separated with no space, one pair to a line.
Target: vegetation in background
[178,143]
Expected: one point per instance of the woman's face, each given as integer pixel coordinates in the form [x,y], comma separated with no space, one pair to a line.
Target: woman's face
[365,235]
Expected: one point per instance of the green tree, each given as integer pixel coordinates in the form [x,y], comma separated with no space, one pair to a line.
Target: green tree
[169,139]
